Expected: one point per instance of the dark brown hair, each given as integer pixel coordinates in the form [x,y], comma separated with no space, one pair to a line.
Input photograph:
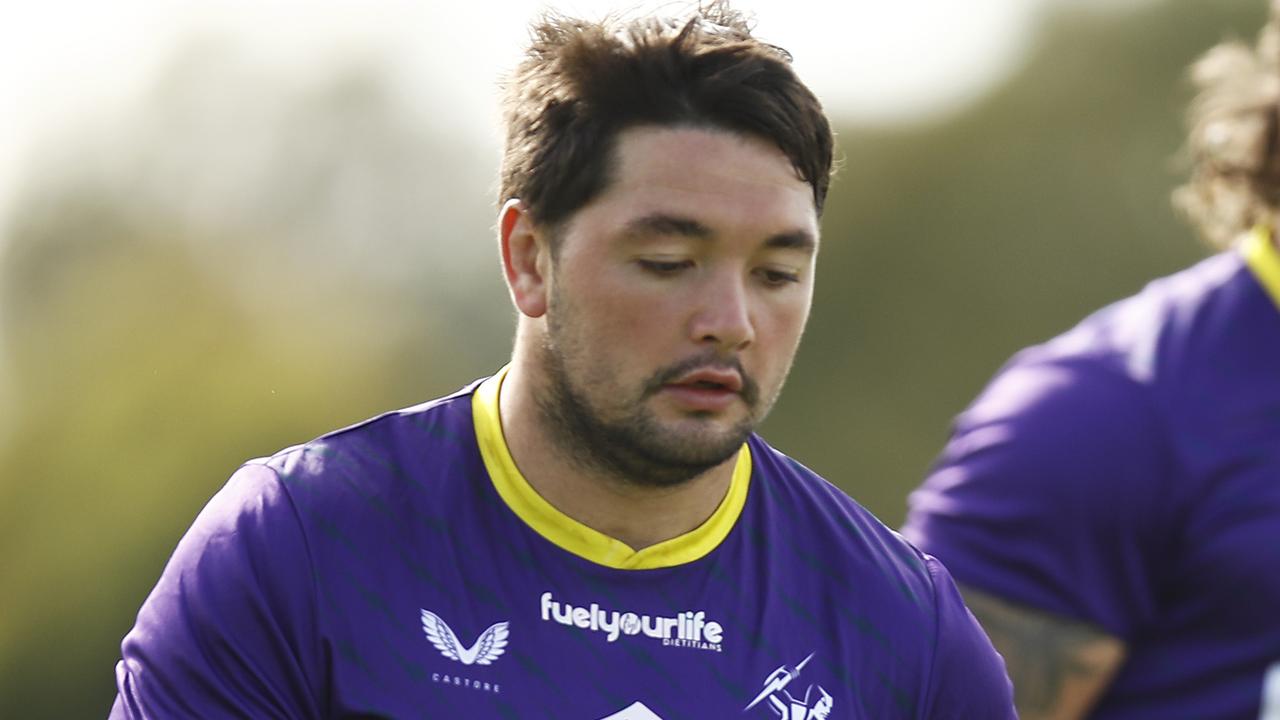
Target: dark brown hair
[582,83]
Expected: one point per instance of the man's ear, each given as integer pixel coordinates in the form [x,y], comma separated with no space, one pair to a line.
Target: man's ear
[525,259]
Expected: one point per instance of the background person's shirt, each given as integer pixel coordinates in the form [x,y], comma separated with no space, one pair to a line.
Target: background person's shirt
[1127,474]
[404,569]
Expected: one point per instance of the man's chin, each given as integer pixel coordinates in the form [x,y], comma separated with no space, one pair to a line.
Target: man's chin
[697,444]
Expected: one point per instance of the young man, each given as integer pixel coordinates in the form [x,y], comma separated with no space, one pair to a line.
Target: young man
[593,532]
[1112,500]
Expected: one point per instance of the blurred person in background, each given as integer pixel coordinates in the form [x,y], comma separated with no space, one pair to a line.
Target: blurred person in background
[595,530]
[1110,503]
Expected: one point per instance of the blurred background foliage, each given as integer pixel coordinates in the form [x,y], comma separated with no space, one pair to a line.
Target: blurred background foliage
[246,261]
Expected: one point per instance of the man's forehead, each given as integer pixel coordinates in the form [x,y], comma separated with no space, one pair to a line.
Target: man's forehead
[643,153]
[698,136]
[654,149]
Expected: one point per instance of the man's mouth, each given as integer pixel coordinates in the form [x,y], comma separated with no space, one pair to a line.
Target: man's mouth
[705,390]
[711,379]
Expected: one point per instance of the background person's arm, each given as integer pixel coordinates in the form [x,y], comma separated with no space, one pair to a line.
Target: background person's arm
[1059,666]
[1042,500]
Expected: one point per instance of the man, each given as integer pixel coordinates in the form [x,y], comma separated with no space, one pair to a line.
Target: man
[1111,501]
[593,532]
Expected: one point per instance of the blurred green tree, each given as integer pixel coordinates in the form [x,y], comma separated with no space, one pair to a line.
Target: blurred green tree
[251,259]
[245,262]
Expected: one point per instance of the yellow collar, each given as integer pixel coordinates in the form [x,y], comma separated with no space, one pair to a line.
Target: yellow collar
[1264,260]
[572,535]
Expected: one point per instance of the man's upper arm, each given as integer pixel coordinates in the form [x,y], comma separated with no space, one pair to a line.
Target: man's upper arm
[1059,666]
[229,630]
[967,679]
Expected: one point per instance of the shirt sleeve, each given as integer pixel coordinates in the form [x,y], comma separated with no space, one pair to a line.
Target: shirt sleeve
[1051,493]
[229,630]
[967,680]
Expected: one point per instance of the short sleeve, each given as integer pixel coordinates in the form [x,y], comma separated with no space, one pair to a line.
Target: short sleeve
[967,679]
[229,630]
[1051,493]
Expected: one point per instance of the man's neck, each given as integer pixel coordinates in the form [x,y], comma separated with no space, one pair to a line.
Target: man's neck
[632,513]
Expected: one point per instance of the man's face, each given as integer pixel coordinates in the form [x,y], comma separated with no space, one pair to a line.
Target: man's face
[676,301]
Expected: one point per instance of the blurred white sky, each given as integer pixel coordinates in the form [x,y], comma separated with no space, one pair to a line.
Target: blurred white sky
[67,61]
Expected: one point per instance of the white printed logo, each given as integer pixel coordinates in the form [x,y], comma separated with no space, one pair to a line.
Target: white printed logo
[784,704]
[634,711]
[487,648]
[687,629]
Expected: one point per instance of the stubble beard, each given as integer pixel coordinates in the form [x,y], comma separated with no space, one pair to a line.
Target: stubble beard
[633,447]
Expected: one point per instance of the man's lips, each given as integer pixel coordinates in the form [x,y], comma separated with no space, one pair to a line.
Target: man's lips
[710,379]
[705,390]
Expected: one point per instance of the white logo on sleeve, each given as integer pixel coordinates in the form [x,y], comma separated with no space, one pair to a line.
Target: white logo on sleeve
[487,648]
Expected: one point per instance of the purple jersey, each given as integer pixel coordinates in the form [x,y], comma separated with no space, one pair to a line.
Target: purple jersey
[403,568]
[1127,474]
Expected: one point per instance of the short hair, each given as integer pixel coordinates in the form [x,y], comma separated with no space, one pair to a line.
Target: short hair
[582,83]
[1233,144]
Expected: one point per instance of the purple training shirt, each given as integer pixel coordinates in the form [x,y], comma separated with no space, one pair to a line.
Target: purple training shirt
[1127,474]
[403,568]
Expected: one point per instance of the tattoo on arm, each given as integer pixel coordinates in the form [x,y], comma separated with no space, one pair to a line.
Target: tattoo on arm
[1059,667]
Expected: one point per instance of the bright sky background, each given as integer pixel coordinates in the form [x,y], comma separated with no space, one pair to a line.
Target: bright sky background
[64,61]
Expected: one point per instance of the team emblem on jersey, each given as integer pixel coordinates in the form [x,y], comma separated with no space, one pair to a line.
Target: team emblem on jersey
[487,648]
[811,706]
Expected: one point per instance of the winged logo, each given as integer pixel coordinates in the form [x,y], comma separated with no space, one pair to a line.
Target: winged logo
[487,648]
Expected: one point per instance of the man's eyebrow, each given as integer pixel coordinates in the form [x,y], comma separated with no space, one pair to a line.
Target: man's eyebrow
[661,224]
[798,240]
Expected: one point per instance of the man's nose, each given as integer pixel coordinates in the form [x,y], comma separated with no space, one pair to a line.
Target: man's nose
[723,316]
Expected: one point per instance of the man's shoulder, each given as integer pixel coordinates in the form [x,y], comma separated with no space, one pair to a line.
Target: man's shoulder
[901,604]
[824,527]
[409,446]
[1169,328]
[1132,368]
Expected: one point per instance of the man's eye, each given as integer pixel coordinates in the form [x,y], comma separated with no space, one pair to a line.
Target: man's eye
[665,267]
[779,278]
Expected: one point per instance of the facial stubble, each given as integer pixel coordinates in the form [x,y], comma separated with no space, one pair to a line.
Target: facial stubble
[630,444]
